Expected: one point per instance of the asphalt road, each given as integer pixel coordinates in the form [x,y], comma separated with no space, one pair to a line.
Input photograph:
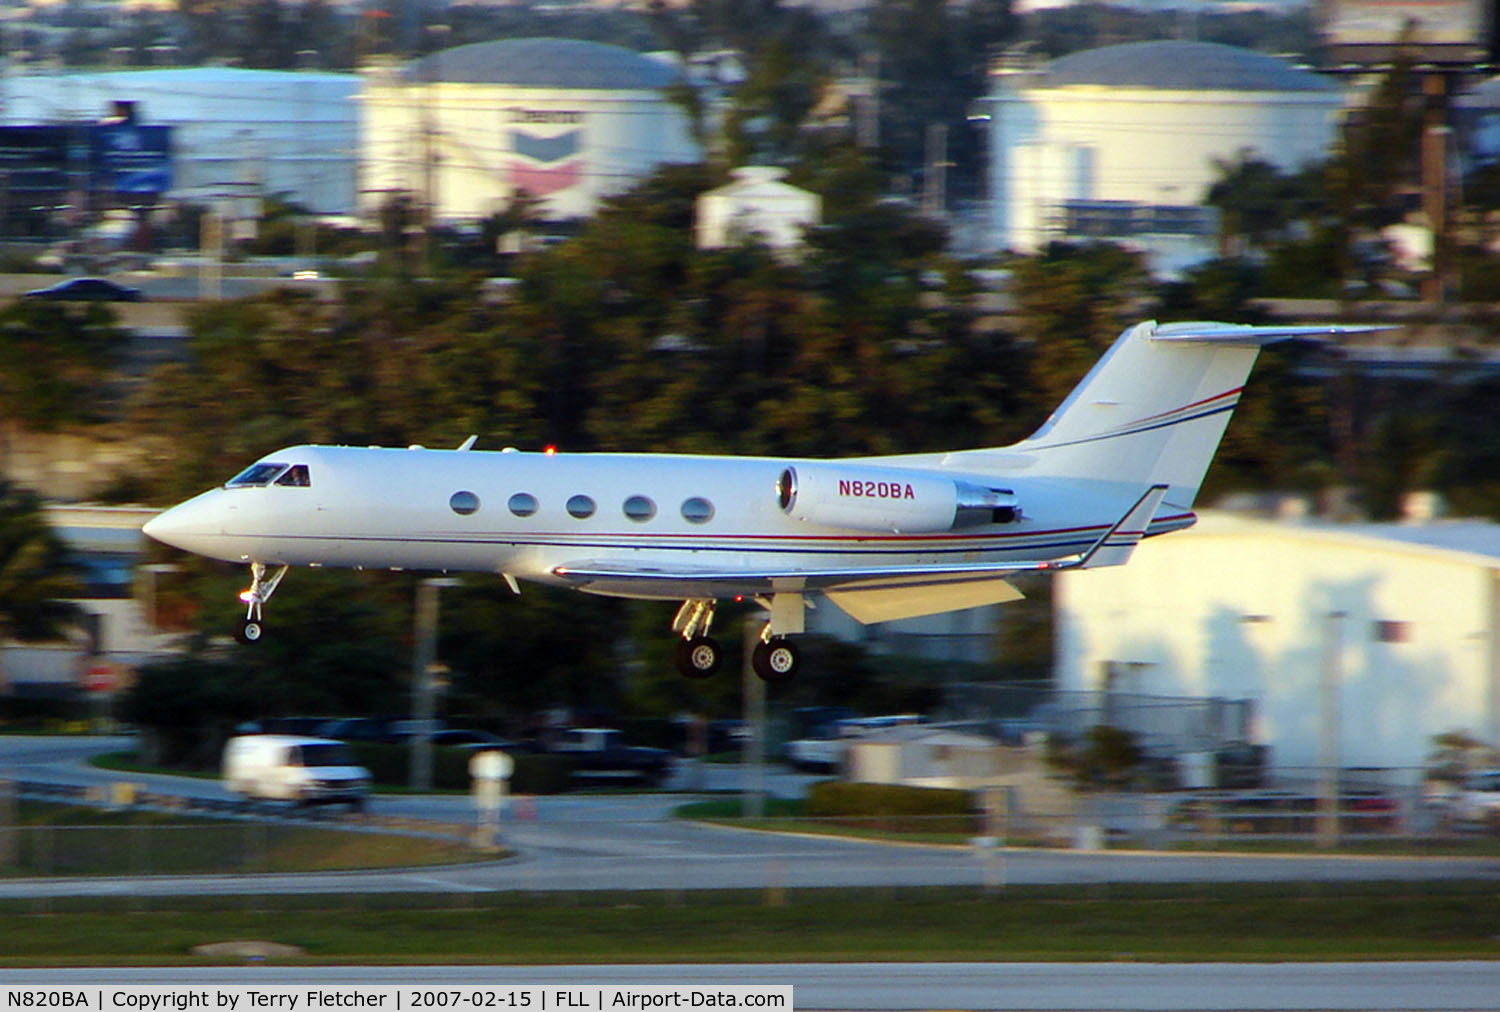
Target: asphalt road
[631,841]
[891,986]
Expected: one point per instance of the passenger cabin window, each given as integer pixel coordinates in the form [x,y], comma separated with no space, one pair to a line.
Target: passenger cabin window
[639,508]
[256,476]
[464,503]
[523,504]
[581,506]
[697,510]
[295,476]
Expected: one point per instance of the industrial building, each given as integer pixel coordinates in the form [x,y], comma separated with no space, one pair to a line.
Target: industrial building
[236,133]
[569,122]
[1359,640]
[1122,143]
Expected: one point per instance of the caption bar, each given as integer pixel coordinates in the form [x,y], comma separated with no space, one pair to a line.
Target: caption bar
[398,998]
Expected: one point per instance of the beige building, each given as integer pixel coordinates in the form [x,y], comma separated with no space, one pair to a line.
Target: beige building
[1399,623]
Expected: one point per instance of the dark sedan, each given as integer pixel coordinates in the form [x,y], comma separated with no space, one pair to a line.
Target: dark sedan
[87,290]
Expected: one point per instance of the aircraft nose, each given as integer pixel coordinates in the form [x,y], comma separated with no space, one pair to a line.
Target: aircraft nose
[187,525]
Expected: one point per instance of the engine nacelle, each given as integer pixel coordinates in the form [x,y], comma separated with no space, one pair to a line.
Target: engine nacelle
[885,500]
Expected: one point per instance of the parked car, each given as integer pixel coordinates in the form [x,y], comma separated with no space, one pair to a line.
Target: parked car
[825,751]
[602,753]
[474,741]
[305,771]
[356,729]
[1478,799]
[87,290]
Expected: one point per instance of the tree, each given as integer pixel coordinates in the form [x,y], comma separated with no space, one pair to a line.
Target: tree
[55,360]
[933,64]
[1073,302]
[35,578]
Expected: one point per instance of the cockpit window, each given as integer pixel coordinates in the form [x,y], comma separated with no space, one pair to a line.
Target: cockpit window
[296,476]
[256,476]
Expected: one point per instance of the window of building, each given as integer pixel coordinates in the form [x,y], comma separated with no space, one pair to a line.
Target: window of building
[464,503]
[697,510]
[523,504]
[1387,631]
[639,508]
[581,506]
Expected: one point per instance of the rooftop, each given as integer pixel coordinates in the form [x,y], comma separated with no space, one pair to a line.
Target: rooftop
[1180,66]
[544,63]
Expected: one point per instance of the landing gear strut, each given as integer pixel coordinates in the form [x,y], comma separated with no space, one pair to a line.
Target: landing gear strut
[252,627]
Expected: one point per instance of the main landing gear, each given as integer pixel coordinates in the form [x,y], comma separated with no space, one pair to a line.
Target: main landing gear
[698,655]
[252,627]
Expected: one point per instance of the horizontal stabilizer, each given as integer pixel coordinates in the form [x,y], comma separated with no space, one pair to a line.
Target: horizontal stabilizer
[1115,548]
[1234,333]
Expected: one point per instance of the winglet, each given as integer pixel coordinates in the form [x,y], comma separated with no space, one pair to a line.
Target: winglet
[1114,548]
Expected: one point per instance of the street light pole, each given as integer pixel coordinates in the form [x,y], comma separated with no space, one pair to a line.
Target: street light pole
[424,671]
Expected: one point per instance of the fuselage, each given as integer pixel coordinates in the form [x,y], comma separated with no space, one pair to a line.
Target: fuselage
[524,514]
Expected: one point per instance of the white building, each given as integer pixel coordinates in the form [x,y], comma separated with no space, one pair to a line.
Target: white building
[567,121]
[235,132]
[757,204]
[1403,619]
[1121,143]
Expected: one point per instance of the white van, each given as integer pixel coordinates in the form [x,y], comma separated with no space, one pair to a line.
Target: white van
[285,767]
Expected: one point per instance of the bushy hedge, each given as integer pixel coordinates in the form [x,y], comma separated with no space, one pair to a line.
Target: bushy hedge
[534,774]
[894,807]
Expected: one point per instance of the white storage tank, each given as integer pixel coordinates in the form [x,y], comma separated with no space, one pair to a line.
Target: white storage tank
[565,120]
[1122,142]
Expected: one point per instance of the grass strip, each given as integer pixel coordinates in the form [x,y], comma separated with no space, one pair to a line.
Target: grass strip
[1289,921]
[54,839]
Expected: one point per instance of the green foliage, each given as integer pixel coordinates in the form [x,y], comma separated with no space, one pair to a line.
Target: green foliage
[54,360]
[893,807]
[1073,302]
[933,62]
[35,577]
[1107,757]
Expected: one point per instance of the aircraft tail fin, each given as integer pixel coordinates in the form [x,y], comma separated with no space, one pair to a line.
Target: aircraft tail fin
[1152,410]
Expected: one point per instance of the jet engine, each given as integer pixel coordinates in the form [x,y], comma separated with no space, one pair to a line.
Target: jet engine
[890,501]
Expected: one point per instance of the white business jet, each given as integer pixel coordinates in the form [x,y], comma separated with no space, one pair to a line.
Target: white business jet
[882,538]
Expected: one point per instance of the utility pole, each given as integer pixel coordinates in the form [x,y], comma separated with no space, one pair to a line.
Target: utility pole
[753,755]
[934,190]
[425,672]
[1330,678]
[1435,135]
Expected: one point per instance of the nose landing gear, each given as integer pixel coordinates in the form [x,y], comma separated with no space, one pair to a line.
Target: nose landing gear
[252,627]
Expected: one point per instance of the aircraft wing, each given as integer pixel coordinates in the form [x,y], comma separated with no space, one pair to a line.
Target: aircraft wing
[869,594]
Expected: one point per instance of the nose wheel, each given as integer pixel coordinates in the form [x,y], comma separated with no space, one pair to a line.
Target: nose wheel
[252,627]
[249,630]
